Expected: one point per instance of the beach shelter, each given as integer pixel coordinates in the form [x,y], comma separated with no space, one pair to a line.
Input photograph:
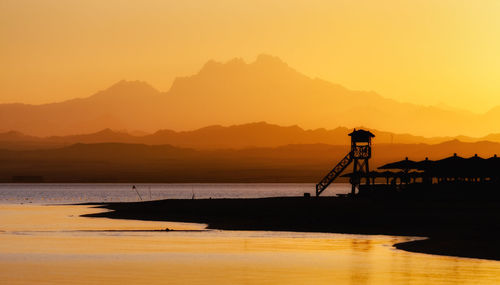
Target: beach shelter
[452,166]
[475,166]
[492,167]
[405,165]
[424,164]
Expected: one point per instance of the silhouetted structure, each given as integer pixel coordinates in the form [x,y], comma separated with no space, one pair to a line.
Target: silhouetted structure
[453,169]
[360,154]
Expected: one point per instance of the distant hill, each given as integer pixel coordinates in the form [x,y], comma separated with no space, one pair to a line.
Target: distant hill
[236,92]
[259,134]
[114,162]
[122,106]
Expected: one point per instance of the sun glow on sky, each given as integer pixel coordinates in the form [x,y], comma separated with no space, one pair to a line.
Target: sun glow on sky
[420,51]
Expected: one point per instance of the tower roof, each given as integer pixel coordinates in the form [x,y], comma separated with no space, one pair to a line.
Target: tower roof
[361,135]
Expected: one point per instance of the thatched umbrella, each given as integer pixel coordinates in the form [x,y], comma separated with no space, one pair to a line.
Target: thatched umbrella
[405,164]
[424,164]
[416,174]
[475,166]
[452,166]
[388,175]
[492,166]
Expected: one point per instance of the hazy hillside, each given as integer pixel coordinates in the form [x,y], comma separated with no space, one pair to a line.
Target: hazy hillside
[236,93]
[141,163]
[122,106]
[219,137]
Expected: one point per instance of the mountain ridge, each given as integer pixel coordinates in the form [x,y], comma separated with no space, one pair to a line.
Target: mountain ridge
[134,163]
[236,92]
[256,134]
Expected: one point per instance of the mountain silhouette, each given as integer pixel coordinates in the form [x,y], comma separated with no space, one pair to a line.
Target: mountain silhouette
[251,135]
[236,92]
[118,162]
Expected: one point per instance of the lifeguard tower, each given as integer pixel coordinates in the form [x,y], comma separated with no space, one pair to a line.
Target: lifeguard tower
[360,154]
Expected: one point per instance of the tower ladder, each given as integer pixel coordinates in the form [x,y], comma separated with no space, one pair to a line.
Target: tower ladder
[334,173]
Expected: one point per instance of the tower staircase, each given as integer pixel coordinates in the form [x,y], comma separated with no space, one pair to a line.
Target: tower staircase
[334,173]
[360,153]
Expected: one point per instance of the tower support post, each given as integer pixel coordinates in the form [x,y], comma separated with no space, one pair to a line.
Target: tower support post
[361,150]
[360,155]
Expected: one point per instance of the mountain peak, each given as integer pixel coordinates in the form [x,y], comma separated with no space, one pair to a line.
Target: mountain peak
[209,65]
[105,131]
[269,60]
[234,92]
[131,84]
[262,61]
[125,89]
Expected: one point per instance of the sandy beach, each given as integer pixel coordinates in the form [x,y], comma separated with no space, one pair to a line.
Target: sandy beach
[464,228]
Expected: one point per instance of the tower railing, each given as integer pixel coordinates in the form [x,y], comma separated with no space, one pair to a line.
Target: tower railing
[360,153]
[334,173]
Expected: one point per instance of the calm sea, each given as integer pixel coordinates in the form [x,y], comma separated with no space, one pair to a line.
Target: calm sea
[52,244]
[44,193]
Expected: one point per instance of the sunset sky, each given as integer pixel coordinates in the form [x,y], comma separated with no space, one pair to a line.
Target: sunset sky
[420,51]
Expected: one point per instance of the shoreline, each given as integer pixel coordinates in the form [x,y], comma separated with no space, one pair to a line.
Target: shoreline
[453,229]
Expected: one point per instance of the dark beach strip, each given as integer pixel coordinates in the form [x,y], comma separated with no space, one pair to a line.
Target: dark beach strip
[456,227]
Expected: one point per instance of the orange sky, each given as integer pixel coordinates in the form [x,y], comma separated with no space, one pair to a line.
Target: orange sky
[418,51]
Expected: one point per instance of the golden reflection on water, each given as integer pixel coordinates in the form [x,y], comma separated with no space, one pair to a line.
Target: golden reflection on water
[53,245]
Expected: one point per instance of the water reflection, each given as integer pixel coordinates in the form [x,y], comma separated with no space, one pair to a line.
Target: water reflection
[364,245]
[46,244]
[360,271]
